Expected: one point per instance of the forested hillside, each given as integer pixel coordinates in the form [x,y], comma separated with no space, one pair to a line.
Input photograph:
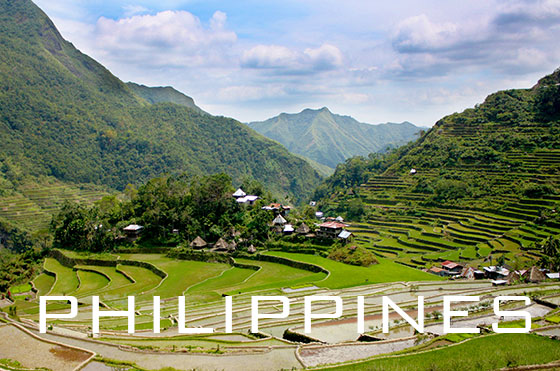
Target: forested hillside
[329,139]
[480,184]
[163,94]
[65,118]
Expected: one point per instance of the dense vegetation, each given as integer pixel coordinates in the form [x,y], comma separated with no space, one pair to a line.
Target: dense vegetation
[64,116]
[162,94]
[329,139]
[480,185]
[193,206]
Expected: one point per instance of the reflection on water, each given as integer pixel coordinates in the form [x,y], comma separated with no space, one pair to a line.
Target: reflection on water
[395,333]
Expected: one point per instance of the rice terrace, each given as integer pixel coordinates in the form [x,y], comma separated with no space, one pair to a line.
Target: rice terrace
[310,240]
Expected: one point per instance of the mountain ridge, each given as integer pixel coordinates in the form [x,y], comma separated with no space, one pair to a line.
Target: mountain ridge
[329,138]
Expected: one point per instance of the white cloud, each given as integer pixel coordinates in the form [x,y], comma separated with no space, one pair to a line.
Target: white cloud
[269,56]
[178,35]
[326,57]
[418,33]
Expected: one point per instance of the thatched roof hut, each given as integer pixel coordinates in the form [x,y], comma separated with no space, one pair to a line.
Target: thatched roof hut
[279,220]
[251,249]
[513,278]
[221,245]
[232,246]
[535,275]
[198,243]
[303,229]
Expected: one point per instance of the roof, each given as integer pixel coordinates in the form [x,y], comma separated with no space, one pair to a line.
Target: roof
[344,234]
[221,244]
[319,214]
[198,242]
[303,229]
[249,198]
[553,276]
[332,225]
[133,227]
[436,270]
[412,171]
[499,270]
[279,220]
[288,228]
[239,193]
[252,249]
[536,275]
[339,219]
[450,265]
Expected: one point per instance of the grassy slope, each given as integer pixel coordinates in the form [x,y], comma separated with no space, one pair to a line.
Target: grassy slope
[344,275]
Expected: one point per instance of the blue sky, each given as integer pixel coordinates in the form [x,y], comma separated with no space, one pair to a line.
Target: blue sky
[377,61]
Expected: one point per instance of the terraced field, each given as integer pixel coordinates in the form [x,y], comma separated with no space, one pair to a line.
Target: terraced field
[405,228]
[32,205]
[276,347]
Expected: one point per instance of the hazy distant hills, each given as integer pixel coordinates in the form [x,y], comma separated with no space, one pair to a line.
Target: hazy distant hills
[329,139]
[64,115]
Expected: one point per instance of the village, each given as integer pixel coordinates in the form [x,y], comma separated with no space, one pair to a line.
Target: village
[334,229]
[325,229]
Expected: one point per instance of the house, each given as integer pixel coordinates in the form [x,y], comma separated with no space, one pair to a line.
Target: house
[345,235]
[339,219]
[452,267]
[279,221]
[221,245]
[413,171]
[313,203]
[239,193]
[496,273]
[198,243]
[247,200]
[273,207]
[278,208]
[513,278]
[288,229]
[303,229]
[438,271]
[468,273]
[319,214]
[133,231]
[330,229]
[535,275]
[251,249]
[232,246]
[553,276]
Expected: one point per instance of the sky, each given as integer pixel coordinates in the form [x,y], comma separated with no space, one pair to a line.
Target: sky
[377,61]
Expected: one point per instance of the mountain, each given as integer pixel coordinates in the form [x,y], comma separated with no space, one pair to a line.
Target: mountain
[329,139]
[163,94]
[66,118]
[480,185]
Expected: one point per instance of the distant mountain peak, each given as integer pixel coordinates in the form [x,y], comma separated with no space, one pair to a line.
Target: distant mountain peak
[329,139]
